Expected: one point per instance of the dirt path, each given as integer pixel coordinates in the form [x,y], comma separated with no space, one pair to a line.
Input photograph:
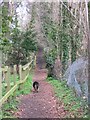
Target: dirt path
[41,104]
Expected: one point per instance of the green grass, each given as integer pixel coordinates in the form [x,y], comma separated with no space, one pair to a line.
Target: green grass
[27,86]
[75,106]
[11,82]
[10,107]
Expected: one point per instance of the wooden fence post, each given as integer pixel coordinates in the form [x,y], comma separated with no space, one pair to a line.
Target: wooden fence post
[15,73]
[25,73]
[15,78]
[28,69]
[8,79]
[8,82]
[35,61]
[20,74]
[0,83]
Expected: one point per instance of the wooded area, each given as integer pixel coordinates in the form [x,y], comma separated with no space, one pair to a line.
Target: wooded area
[58,30]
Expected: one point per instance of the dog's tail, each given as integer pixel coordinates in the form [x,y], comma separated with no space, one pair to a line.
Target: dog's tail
[36,87]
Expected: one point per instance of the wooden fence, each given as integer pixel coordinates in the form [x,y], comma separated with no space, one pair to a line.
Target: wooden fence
[11,86]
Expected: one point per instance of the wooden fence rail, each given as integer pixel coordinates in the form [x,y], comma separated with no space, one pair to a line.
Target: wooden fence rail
[11,86]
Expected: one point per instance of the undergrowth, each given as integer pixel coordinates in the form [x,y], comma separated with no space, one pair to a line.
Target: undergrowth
[76,107]
[9,108]
[11,82]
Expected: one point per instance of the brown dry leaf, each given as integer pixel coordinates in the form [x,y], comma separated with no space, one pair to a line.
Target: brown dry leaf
[21,110]
[18,113]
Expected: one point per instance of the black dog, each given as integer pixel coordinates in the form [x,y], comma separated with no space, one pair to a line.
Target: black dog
[36,86]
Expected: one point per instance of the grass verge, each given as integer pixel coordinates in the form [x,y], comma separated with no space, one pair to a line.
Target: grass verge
[75,106]
[9,108]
